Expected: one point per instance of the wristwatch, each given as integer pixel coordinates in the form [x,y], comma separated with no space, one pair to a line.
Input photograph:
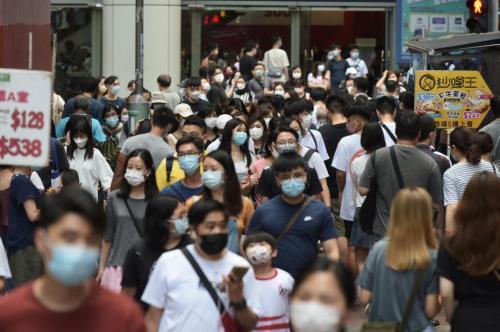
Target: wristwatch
[242,305]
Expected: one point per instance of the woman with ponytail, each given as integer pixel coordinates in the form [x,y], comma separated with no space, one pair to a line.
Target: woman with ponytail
[458,176]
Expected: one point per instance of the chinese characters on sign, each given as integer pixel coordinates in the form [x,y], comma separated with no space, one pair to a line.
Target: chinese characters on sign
[24,117]
[452,98]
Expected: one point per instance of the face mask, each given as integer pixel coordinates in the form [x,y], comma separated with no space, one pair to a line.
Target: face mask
[115,89]
[181,225]
[296,75]
[299,91]
[124,118]
[195,95]
[206,87]
[306,121]
[219,78]
[267,121]
[336,53]
[355,55]
[349,90]
[279,92]
[134,177]
[212,179]
[112,121]
[330,56]
[258,73]
[293,187]
[240,86]
[282,148]
[256,133]
[211,122]
[313,316]
[259,254]
[239,138]
[321,68]
[189,163]
[71,265]
[213,244]
[81,142]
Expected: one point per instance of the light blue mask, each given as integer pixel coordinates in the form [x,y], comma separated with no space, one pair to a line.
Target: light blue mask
[115,89]
[112,121]
[240,137]
[212,179]
[181,225]
[293,187]
[189,163]
[71,265]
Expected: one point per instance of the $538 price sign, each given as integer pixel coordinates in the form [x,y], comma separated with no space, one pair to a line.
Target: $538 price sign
[20,147]
[26,119]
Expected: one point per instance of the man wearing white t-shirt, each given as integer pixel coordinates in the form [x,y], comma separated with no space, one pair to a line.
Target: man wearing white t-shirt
[179,300]
[386,112]
[354,61]
[357,115]
[276,61]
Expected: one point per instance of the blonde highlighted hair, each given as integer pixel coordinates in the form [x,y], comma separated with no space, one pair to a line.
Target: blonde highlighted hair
[411,232]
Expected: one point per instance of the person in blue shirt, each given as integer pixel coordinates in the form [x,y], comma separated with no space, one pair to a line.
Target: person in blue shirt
[189,154]
[111,98]
[88,86]
[81,108]
[299,246]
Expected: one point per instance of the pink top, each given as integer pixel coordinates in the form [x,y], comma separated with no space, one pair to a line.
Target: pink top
[259,166]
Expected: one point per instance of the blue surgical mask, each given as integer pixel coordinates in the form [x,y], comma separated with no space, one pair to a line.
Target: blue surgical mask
[181,225]
[115,89]
[293,187]
[240,137]
[112,121]
[71,265]
[189,163]
[212,179]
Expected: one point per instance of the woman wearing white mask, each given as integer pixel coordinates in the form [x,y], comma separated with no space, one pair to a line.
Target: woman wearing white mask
[166,229]
[354,61]
[210,117]
[319,77]
[125,216]
[296,74]
[88,161]
[239,90]
[322,298]
[258,133]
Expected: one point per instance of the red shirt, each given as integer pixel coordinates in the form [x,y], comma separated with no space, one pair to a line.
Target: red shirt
[20,311]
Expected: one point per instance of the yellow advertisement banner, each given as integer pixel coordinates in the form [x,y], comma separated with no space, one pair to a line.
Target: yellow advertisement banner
[452,98]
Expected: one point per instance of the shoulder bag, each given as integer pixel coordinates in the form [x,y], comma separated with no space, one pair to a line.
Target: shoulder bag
[294,219]
[136,224]
[389,132]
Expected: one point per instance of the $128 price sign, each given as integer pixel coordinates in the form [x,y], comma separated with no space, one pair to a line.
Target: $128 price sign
[26,119]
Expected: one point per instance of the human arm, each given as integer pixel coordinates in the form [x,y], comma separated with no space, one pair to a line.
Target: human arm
[104,171]
[451,210]
[380,86]
[108,237]
[331,249]
[245,317]
[432,306]
[32,212]
[368,174]
[119,171]
[340,177]
[325,193]
[230,91]
[446,289]
[105,250]
[365,296]
[268,87]
[153,318]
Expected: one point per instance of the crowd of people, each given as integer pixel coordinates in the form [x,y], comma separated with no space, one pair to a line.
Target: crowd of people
[254,198]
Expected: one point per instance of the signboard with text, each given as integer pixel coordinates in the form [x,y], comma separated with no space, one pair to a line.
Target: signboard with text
[452,98]
[25,120]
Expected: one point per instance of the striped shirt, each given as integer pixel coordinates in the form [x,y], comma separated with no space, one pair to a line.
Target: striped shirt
[458,176]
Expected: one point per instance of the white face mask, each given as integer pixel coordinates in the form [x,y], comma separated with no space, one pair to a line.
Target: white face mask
[211,122]
[81,142]
[240,86]
[259,254]
[336,53]
[296,75]
[134,177]
[206,86]
[219,78]
[306,121]
[314,317]
[279,92]
[355,55]
[330,56]
[321,68]
[256,133]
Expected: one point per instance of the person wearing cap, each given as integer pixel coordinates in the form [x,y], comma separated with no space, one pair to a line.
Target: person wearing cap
[181,112]
[171,97]
[192,95]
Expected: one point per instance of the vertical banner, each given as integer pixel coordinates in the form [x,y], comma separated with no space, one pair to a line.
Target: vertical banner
[452,98]
[25,117]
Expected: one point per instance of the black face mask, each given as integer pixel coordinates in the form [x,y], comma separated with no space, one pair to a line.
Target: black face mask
[213,244]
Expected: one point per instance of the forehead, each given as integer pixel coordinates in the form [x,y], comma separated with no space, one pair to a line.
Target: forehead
[187,147]
[215,216]
[295,171]
[211,162]
[71,222]
[285,135]
[189,128]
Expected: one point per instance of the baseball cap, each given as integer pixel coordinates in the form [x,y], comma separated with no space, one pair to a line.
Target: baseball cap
[222,120]
[183,110]
[158,98]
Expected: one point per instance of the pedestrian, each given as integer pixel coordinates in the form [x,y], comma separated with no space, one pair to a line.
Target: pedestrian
[258,133]
[276,61]
[113,129]
[166,228]
[88,86]
[322,297]
[125,210]
[354,61]
[272,284]
[296,221]
[494,128]
[260,85]
[211,54]
[93,169]
[239,89]
[65,297]
[319,77]
[172,98]
[248,60]
[468,262]
[112,84]
[388,77]
[192,94]
[320,113]
[427,140]
[386,113]
[217,94]
[404,260]
[203,283]
[485,143]
[181,112]
[70,179]
[336,66]
[210,117]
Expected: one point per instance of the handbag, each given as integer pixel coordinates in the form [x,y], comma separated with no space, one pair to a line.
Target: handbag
[230,325]
[368,209]
[395,326]
[136,224]
[294,219]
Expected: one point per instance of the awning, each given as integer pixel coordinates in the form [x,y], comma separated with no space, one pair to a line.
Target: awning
[260,4]
[433,46]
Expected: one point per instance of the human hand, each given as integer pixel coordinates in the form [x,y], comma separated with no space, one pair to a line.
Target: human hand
[234,288]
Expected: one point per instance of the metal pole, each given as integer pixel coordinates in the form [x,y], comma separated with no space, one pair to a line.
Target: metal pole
[139,45]
[295,38]
[493,12]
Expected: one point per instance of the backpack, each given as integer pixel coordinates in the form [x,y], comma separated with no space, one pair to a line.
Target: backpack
[110,150]
[168,167]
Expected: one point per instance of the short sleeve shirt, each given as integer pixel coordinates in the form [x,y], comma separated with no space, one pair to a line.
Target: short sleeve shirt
[158,148]
[183,193]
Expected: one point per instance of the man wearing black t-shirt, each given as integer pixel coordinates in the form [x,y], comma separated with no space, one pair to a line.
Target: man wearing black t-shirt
[248,60]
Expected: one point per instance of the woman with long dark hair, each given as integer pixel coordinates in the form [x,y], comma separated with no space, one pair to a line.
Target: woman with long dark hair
[125,216]
[165,229]
[88,161]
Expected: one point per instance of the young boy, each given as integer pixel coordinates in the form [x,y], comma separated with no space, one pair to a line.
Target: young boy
[274,285]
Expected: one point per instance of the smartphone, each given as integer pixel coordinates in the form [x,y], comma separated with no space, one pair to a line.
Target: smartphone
[239,271]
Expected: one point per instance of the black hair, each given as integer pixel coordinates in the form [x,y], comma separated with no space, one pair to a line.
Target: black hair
[284,127]
[79,124]
[259,64]
[203,73]
[163,116]
[495,106]
[130,84]
[463,139]
[150,188]
[275,39]
[70,178]
[81,103]
[110,80]
[386,105]
[237,103]
[391,86]
[484,141]
[407,125]
[71,200]
[318,94]
[144,127]
[190,139]
[249,45]
[353,47]
[339,271]
[334,46]
[358,109]
[372,137]
[338,99]
[232,189]
[192,82]
[164,81]
[212,69]
[211,46]
[195,120]
[201,209]
[294,108]
[427,126]
[288,161]
[158,210]
[108,108]
[227,138]
[408,99]
[88,84]
[362,84]
[258,237]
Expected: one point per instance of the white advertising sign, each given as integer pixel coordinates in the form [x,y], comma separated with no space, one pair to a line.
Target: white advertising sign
[25,117]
